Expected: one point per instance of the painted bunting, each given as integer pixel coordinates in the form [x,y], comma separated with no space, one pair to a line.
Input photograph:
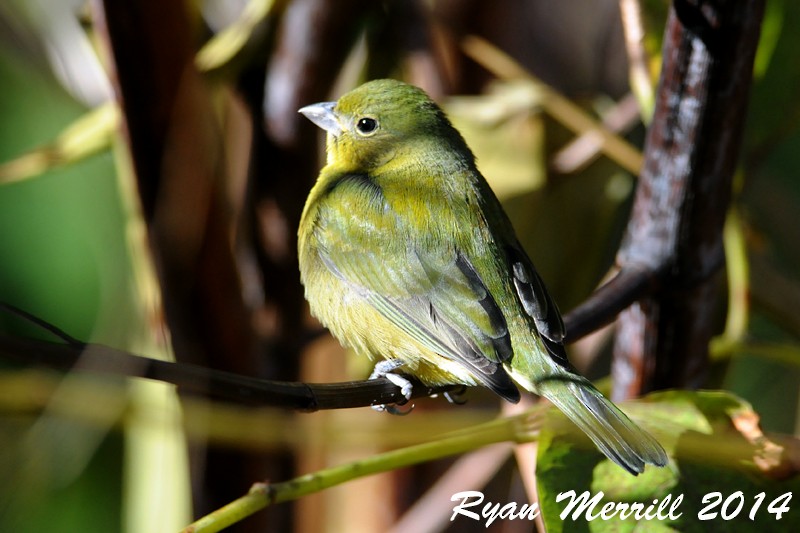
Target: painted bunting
[406,254]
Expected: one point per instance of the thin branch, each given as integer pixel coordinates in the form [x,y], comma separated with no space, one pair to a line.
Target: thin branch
[602,307]
[638,71]
[521,428]
[557,106]
[99,359]
[586,148]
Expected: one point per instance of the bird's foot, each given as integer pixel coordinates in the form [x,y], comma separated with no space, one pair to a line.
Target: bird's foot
[383,369]
[456,397]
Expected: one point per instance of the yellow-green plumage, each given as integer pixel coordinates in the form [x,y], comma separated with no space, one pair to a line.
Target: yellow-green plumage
[405,253]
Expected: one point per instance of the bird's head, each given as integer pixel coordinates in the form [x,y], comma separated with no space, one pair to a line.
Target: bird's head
[374,123]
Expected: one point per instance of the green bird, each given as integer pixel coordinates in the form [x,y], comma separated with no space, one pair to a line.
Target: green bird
[406,254]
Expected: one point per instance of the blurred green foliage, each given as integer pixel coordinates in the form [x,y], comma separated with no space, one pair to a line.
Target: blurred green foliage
[62,240]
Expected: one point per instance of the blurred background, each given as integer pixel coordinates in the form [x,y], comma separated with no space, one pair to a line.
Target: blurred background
[169,231]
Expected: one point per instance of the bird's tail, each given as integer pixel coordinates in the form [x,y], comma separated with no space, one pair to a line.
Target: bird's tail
[619,438]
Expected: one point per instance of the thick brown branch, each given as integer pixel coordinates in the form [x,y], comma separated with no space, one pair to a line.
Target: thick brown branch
[684,192]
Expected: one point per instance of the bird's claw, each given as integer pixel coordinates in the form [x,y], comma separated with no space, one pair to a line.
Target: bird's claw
[393,409]
[383,369]
[456,397]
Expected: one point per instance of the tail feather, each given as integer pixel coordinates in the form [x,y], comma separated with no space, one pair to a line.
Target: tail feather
[619,438]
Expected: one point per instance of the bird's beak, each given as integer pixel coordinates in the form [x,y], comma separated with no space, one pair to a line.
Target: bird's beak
[323,116]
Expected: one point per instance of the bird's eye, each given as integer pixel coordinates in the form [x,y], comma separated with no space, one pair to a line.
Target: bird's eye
[366,125]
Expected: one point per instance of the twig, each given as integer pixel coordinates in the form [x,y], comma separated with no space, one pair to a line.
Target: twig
[638,72]
[559,107]
[585,148]
[522,428]
[243,390]
[602,306]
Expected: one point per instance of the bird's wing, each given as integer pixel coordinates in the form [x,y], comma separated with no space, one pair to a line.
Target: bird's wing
[534,296]
[538,304]
[434,295]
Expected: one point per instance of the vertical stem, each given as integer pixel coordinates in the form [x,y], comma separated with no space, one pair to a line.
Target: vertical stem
[638,71]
